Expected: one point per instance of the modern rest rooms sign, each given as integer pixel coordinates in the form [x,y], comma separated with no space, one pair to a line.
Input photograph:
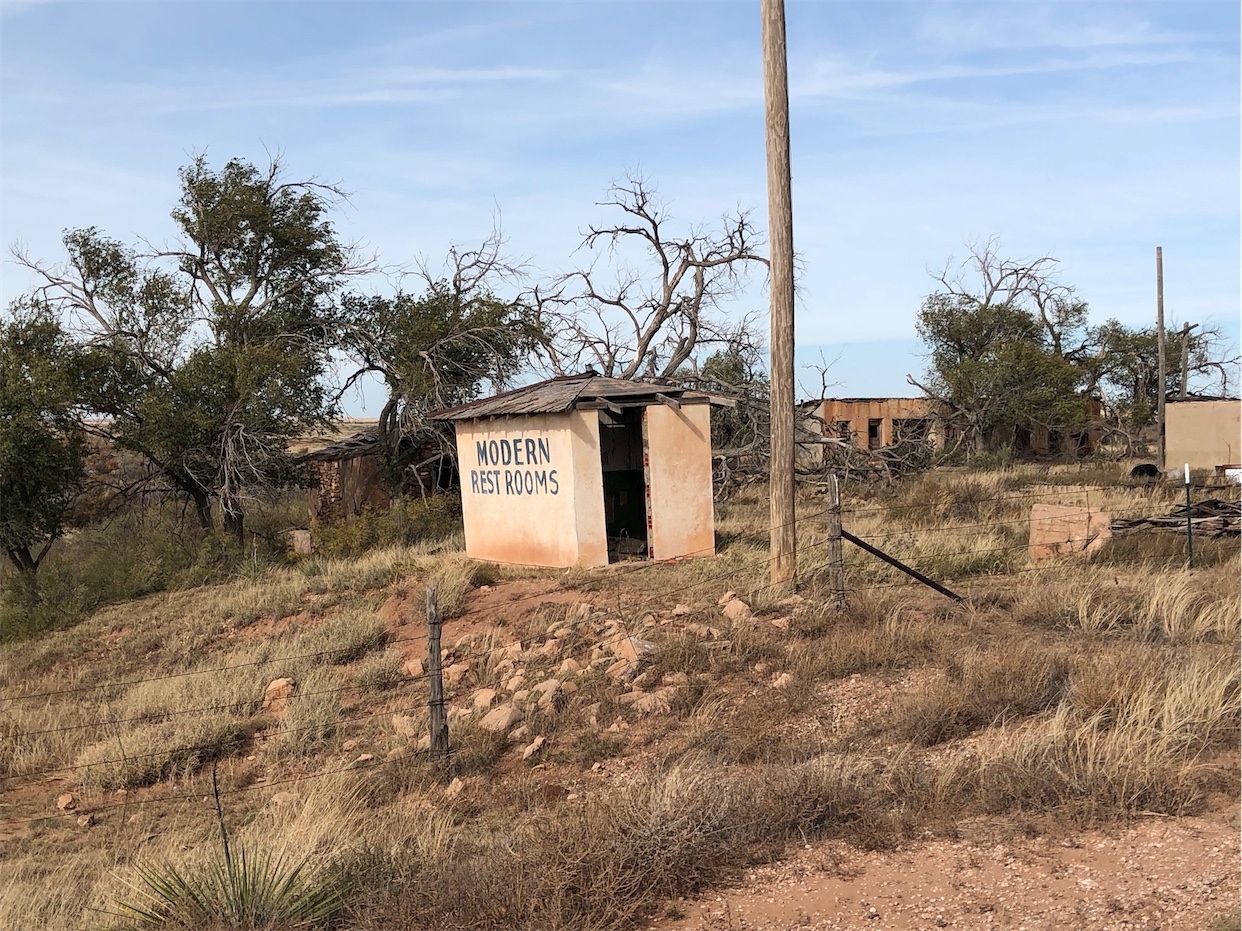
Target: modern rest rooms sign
[521,465]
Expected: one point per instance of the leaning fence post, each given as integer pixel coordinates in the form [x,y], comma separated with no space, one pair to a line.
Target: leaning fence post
[836,563]
[439,720]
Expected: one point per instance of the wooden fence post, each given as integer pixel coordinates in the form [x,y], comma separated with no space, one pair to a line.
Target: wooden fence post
[439,720]
[836,562]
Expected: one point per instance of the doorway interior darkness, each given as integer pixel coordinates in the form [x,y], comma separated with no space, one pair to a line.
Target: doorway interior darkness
[625,485]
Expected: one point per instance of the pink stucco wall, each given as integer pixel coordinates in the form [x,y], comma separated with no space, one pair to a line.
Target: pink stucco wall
[679,448]
[532,489]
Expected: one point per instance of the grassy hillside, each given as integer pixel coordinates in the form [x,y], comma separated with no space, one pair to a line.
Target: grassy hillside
[620,737]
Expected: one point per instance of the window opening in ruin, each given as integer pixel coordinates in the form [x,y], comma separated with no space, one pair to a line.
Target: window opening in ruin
[874,440]
[844,434]
[625,489]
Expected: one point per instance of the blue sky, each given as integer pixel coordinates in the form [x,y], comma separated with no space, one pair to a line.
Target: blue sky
[1093,132]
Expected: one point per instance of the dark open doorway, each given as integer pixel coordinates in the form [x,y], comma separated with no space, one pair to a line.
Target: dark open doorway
[625,486]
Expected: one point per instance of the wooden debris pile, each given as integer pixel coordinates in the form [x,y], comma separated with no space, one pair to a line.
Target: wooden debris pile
[1212,518]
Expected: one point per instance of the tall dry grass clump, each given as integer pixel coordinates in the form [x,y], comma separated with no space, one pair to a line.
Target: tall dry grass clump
[1129,742]
[982,687]
[1180,606]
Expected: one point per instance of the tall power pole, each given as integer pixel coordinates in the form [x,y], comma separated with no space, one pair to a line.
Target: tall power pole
[1160,388]
[780,236]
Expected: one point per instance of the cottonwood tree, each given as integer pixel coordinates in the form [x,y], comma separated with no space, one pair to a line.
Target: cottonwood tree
[1006,342]
[439,347]
[42,446]
[652,296]
[215,346]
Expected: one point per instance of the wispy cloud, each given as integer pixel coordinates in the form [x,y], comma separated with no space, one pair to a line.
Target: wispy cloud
[1013,26]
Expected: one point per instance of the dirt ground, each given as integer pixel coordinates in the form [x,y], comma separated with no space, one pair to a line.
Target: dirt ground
[1160,874]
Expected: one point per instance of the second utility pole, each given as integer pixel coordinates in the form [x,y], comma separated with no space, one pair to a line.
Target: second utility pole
[783,557]
[1161,388]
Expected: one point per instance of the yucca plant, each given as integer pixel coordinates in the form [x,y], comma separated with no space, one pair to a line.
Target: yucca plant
[247,889]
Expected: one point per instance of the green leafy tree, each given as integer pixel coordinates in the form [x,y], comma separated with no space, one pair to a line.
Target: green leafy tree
[1125,365]
[1006,351]
[42,447]
[438,348]
[210,355]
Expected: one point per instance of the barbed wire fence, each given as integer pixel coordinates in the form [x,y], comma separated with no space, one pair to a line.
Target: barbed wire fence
[631,610]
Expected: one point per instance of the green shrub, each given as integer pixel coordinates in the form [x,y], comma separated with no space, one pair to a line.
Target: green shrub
[408,521]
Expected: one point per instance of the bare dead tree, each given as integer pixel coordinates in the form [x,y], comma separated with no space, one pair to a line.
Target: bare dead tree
[631,321]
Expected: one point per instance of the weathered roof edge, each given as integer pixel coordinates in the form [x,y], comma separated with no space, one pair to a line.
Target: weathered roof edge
[449,413]
[564,393]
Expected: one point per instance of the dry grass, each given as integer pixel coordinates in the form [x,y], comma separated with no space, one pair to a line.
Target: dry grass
[982,687]
[1083,694]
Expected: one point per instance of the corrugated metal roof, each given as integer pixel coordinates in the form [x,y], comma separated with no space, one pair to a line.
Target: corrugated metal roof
[561,394]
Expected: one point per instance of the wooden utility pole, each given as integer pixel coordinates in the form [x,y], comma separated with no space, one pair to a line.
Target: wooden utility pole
[836,559]
[783,557]
[1160,378]
[438,719]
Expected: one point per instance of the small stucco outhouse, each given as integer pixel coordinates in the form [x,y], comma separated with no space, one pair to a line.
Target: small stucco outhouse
[581,469]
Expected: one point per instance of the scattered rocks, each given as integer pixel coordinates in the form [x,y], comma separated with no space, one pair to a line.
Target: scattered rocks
[483,698]
[67,802]
[632,649]
[349,745]
[500,718]
[737,610]
[682,611]
[455,788]
[365,758]
[569,667]
[515,683]
[277,694]
[656,702]
[622,669]
[455,673]
[533,748]
[86,820]
[780,623]
[281,799]
[727,597]
[782,681]
[413,667]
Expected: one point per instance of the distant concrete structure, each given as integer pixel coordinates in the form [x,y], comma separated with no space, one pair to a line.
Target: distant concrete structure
[583,469]
[879,423]
[874,423]
[1204,433]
